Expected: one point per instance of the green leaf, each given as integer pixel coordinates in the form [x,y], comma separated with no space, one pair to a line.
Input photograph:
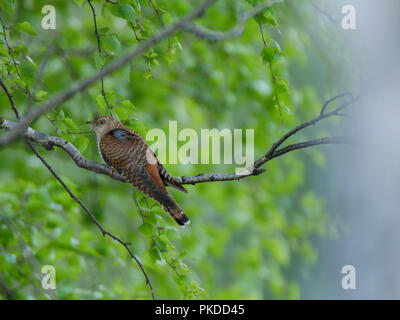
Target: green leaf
[172,233]
[147,75]
[41,95]
[25,27]
[62,126]
[278,249]
[137,126]
[111,43]
[69,123]
[104,30]
[161,244]
[8,5]
[20,49]
[121,112]
[128,104]
[146,229]
[281,86]
[124,11]
[112,97]
[99,61]
[155,254]
[152,55]
[271,50]
[267,18]
[101,104]
[79,2]
[270,18]
[28,70]
[81,143]
[3,50]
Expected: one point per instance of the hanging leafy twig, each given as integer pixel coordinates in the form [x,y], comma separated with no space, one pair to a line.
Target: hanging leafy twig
[96,31]
[160,18]
[10,51]
[274,78]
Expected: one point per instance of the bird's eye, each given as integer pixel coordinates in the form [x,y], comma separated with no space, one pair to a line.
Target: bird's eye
[101,121]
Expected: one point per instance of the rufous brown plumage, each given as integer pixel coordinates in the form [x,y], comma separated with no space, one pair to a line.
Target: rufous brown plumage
[126,151]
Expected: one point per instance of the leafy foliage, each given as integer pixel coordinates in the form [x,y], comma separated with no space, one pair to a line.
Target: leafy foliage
[248,239]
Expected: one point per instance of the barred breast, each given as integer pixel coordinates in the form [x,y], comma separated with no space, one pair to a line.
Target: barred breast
[123,152]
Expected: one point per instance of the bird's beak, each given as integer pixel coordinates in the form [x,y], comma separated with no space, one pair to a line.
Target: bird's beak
[90,122]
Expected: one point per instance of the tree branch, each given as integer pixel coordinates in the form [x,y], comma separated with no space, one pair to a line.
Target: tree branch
[212,177]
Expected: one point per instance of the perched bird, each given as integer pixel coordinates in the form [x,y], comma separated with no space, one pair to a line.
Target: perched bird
[126,151]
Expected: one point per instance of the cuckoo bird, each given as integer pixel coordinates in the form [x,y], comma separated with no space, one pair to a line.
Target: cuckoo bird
[126,151]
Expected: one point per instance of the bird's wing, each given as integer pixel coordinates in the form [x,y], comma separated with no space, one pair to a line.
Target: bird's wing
[152,170]
[160,175]
[130,141]
[128,153]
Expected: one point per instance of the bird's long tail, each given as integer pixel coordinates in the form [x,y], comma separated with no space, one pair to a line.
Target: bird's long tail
[159,193]
[177,214]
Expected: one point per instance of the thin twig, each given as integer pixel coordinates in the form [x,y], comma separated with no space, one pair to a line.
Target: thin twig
[103,92]
[348,94]
[323,115]
[139,40]
[326,14]
[137,204]
[10,98]
[160,18]
[274,78]
[10,51]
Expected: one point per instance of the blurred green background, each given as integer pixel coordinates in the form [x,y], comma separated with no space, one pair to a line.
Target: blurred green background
[252,239]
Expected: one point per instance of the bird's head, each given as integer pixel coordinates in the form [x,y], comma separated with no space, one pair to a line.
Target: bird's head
[104,124]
